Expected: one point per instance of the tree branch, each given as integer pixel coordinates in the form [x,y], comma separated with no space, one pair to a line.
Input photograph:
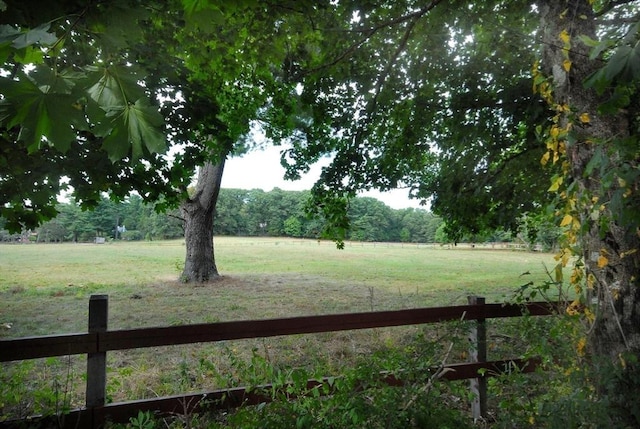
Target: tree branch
[369,32]
[383,77]
[611,5]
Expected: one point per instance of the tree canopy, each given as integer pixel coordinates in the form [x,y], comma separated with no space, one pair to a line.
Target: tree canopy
[397,95]
[434,100]
[458,101]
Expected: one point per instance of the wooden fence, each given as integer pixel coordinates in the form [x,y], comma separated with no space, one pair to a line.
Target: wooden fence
[99,340]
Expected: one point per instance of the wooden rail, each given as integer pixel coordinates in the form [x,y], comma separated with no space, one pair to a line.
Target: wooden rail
[99,340]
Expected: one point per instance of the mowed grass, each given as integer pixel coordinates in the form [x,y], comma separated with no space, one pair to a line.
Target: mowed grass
[45,289]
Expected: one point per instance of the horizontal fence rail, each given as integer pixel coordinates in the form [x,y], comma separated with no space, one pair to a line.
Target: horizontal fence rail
[72,344]
[99,340]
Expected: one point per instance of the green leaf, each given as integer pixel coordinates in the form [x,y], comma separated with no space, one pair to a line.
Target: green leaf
[29,55]
[64,112]
[193,6]
[115,88]
[144,124]
[39,35]
[107,93]
[116,144]
[134,128]
[558,273]
[597,47]
[8,33]
[34,104]
[617,63]
[5,51]
[595,163]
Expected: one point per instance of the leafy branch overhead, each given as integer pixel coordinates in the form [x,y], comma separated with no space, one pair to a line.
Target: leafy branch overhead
[51,93]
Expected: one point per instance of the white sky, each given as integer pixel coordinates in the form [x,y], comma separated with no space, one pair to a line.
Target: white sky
[261,169]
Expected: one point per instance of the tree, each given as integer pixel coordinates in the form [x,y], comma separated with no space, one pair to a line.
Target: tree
[75,104]
[102,70]
[384,111]
[432,96]
[593,95]
[595,131]
[293,227]
[230,218]
[370,220]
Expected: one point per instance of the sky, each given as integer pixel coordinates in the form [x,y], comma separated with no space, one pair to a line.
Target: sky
[261,169]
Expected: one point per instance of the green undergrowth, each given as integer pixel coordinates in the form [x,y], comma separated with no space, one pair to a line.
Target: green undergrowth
[558,395]
[263,279]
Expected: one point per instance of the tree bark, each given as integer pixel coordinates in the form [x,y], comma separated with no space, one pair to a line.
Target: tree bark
[198,212]
[614,340]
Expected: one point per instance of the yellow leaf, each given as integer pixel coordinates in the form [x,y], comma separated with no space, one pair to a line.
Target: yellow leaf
[584,118]
[582,343]
[622,182]
[565,37]
[554,132]
[566,220]
[566,65]
[558,273]
[573,308]
[590,315]
[602,261]
[615,293]
[555,184]
[535,67]
[545,158]
[591,281]
[576,275]
[578,288]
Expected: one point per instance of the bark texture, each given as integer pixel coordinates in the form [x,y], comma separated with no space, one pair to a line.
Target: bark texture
[615,337]
[198,212]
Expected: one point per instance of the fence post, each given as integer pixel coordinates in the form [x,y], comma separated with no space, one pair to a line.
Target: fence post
[478,353]
[97,362]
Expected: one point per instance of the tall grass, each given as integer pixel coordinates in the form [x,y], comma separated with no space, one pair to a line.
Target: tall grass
[44,289]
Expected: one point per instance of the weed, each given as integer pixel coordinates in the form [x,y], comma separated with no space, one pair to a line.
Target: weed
[144,420]
[23,395]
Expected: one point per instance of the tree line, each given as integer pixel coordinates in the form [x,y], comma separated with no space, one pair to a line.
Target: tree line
[240,212]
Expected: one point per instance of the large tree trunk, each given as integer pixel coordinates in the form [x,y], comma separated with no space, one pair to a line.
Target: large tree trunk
[198,212]
[611,255]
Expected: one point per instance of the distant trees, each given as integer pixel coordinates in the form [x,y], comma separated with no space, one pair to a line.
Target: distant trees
[240,212]
[252,213]
[130,219]
[281,213]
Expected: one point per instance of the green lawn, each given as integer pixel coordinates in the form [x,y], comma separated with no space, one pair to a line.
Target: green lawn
[45,289]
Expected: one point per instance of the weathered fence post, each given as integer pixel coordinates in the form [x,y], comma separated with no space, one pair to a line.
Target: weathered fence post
[478,353]
[97,362]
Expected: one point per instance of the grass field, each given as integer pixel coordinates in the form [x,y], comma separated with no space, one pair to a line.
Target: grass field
[45,288]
